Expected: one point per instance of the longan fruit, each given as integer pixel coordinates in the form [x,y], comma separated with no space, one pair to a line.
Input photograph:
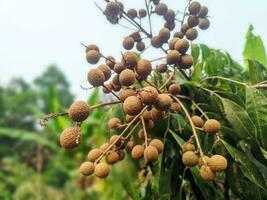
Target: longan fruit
[116,88]
[114,123]
[110,61]
[127,77]
[175,107]
[174,89]
[128,43]
[146,115]
[194,8]
[126,92]
[87,168]
[131,144]
[129,118]
[104,146]
[217,163]
[112,9]
[184,28]
[136,36]
[182,46]
[132,13]
[169,25]
[164,34]
[132,105]
[172,43]
[141,134]
[96,77]
[129,59]
[106,70]
[151,153]
[178,35]
[70,137]
[112,157]
[107,88]
[94,154]
[173,57]
[137,152]
[92,56]
[114,138]
[201,160]
[119,67]
[188,146]
[197,121]
[206,173]
[161,9]
[102,170]
[186,61]
[191,34]
[192,21]
[121,154]
[212,126]
[162,68]
[142,13]
[143,68]
[164,102]
[156,42]
[92,47]
[140,46]
[150,125]
[169,16]
[149,95]
[203,11]
[204,23]
[158,144]
[156,114]
[190,159]
[79,111]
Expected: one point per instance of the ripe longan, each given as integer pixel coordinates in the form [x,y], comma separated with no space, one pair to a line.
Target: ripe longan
[217,163]
[119,67]
[114,123]
[156,114]
[127,77]
[206,173]
[201,160]
[149,125]
[182,46]
[121,154]
[175,107]
[70,137]
[169,16]
[184,28]
[157,144]
[110,61]
[128,43]
[106,71]
[87,168]
[112,157]
[212,126]
[79,111]
[131,144]
[162,68]
[129,118]
[126,92]
[107,88]
[151,153]
[149,95]
[140,46]
[92,56]
[173,57]
[204,23]
[102,170]
[92,47]
[146,115]
[104,146]
[194,8]
[156,42]
[186,61]
[203,11]
[132,105]
[132,13]
[136,36]
[164,34]
[129,59]
[174,89]
[141,134]
[137,152]
[164,102]
[114,138]
[144,68]
[191,34]
[169,25]
[192,21]
[197,121]
[142,13]
[112,9]
[161,9]
[188,146]
[96,77]
[94,154]
[190,159]
[172,43]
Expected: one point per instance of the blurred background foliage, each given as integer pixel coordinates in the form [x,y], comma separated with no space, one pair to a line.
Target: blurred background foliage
[33,166]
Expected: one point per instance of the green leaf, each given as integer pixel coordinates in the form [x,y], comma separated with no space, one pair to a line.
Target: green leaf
[256,71]
[195,51]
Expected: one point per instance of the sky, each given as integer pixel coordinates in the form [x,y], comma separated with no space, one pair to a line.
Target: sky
[37,33]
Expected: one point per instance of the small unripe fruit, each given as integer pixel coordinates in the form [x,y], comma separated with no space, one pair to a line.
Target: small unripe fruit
[87,168]
[129,59]
[137,152]
[119,67]
[175,107]
[96,77]
[188,146]
[169,16]
[132,13]
[203,11]
[142,13]
[174,89]
[156,115]
[157,144]
[92,56]
[106,71]
[128,43]
[161,9]
[156,42]
[186,61]
[94,154]
[197,121]
[178,35]
[164,102]
[91,47]
[204,23]
[191,34]
[70,137]
[217,163]
[132,105]
[101,170]
[79,111]
[149,95]
[172,43]
[182,46]
[194,8]
[126,92]
[114,123]
[112,157]
[140,46]
[203,160]
[206,173]
[164,34]
[151,153]
[190,159]
[112,9]
[212,126]
[162,68]
[192,21]
[127,77]
[173,57]
[144,68]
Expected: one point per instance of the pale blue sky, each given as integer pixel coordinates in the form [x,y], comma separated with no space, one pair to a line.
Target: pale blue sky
[36,33]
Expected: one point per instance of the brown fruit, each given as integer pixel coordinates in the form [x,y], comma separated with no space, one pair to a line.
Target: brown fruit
[184,28]
[110,61]
[162,68]
[190,159]
[144,68]
[121,154]
[126,92]
[94,154]
[87,168]
[128,43]
[127,77]
[70,137]
[174,89]
[137,152]
[132,13]
[112,157]
[140,46]
[92,56]
[119,67]
[178,35]
[186,61]
[114,138]
[129,59]
[136,36]
[149,95]
[156,42]
[91,47]
[102,170]
[204,23]
[173,57]
[161,9]
[129,118]
[146,115]
[192,21]
[96,77]
[202,159]
[114,123]
[164,35]
[132,105]
[188,146]
[203,11]
[206,173]
[197,121]
[116,88]
[112,9]
[106,70]
[142,13]
[212,126]
[107,88]
[104,146]
[164,102]
[156,115]
[157,144]
[141,134]
[131,144]
[169,25]
[169,16]
[150,125]
[217,163]
[175,107]
[151,153]
[191,34]
[79,111]
[172,43]
[182,46]
[194,8]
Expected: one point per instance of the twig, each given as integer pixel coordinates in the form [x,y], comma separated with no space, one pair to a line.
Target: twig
[104,104]
[144,128]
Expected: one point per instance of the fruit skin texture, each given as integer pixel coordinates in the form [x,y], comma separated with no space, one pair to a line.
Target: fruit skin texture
[161,9]
[112,9]
[87,168]
[127,92]
[174,89]
[128,43]
[79,111]
[92,56]
[190,159]
[186,61]
[169,16]
[94,154]
[173,57]
[162,68]
[203,11]
[164,102]
[137,152]
[201,160]
[149,95]
[188,147]
[204,23]
[132,105]
[212,126]
[156,114]
[144,68]
[217,163]
[172,43]
[194,8]
[129,59]
[112,157]
[127,77]
[206,173]
[70,137]
[91,47]
[114,123]
[156,42]
[96,77]
[157,144]
[106,71]
[192,21]
[151,153]
[175,107]
[191,34]
[182,46]
[119,67]
[140,46]
[102,170]
[197,121]
[164,34]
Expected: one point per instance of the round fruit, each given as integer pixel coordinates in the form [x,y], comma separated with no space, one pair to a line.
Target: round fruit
[132,13]
[110,61]
[162,68]
[151,153]
[70,137]
[192,21]
[94,154]
[149,95]
[128,43]
[126,92]
[79,111]
[197,121]
[92,56]
[169,16]
[137,152]
[112,9]
[101,170]
[217,163]
[164,102]
[190,159]
[203,11]
[212,126]
[121,154]
[114,123]
[116,80]
[188,146]
[129,59]
[156,42]
[116,88]
[149,125]
[172,43]
[182,46]
[157,144]
[173,57]
[91,47]
[204,23]
[132,105]
[114,138]
[203,160]
[178,35]
[136,36]
[175,107]
[112,157]
[184,28]
[194,8]
[119,67]
[140,46]
[174,89]
[127,77]
[141,134]
[169,25]
[156,115]
[87,168]
[206,173]
[186,61]
[106,70]
[191,34]
[161,9]
[146,115]
[164,34]
[131,144]
[96,77]
[129,118]
[104,146]
[144,68]
[107,88]
[142,13]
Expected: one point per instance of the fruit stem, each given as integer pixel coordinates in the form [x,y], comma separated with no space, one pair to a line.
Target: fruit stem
[202,112]
[113,93]
[149,16]
[144,127]
[132,130]
[43,121]
[104,104]
[167,81]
